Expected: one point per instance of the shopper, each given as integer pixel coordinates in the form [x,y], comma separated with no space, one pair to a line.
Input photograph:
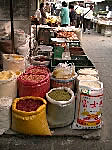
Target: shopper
[47,8]
[73,16]
[78,12]
[109,15]
[53,9]
[81,14]
[43,14]
[87,17]
[65,20]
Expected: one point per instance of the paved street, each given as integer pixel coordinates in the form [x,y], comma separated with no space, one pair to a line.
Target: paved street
[99,50]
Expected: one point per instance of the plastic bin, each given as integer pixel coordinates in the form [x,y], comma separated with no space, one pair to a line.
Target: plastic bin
[74,43]
[76,51]
[80,62]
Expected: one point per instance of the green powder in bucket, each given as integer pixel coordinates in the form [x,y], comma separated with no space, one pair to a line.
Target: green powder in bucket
[60,95]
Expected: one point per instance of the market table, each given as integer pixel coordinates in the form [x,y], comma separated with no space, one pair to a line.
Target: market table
[103,26]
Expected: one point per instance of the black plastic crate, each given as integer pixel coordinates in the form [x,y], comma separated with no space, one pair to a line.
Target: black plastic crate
[76,51]
[74,43]
[80,62]
[77,60]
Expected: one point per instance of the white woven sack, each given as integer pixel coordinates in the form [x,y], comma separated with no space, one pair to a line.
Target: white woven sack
[19,37]
[8,88]
[60,113]
[12,64]
[85,78]
[24,49]
[88,71]
[5,114]
[89,107]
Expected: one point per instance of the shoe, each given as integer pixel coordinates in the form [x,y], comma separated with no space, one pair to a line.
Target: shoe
[84,32]
[88,31]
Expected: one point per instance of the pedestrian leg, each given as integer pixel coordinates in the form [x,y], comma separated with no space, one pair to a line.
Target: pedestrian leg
[88,25]
[84,25]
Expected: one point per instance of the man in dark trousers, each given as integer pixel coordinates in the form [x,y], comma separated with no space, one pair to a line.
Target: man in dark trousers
[73,16]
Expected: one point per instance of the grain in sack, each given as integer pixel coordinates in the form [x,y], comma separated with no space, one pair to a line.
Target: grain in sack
[5,114]
[85,78]
[24,49]
[88,71]
[61,107]
[29,116]
[64,75]
[89,105]
[8,84]
[35,82]
[13,62]
[19,37]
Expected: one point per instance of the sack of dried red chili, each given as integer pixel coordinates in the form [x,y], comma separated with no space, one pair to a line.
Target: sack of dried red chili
[33,84]
[29,116]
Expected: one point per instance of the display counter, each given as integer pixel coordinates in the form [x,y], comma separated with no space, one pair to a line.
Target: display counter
[103,26]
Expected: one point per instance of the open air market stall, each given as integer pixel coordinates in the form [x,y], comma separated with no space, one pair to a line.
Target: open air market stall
[55,83]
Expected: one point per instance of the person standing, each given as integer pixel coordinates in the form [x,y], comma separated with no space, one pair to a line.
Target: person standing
[109,15]
[73,16]
[43,14]
[65,20]
[78,12]
[47,8]
[87,17]
[52,9]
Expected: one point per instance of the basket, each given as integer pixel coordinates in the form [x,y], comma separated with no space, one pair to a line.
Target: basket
[76,51]
[70,83]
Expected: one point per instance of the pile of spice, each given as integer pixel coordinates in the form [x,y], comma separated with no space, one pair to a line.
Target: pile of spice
[28,105]
[33,77]
[60,95]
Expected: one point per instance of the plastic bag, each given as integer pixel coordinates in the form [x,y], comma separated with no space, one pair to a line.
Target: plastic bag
[64,71]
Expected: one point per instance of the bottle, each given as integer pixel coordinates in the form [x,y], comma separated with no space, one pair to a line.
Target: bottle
[66,53]
[67,48]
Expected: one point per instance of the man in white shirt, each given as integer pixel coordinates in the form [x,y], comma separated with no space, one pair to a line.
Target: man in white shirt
[87,17]
[78,12]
